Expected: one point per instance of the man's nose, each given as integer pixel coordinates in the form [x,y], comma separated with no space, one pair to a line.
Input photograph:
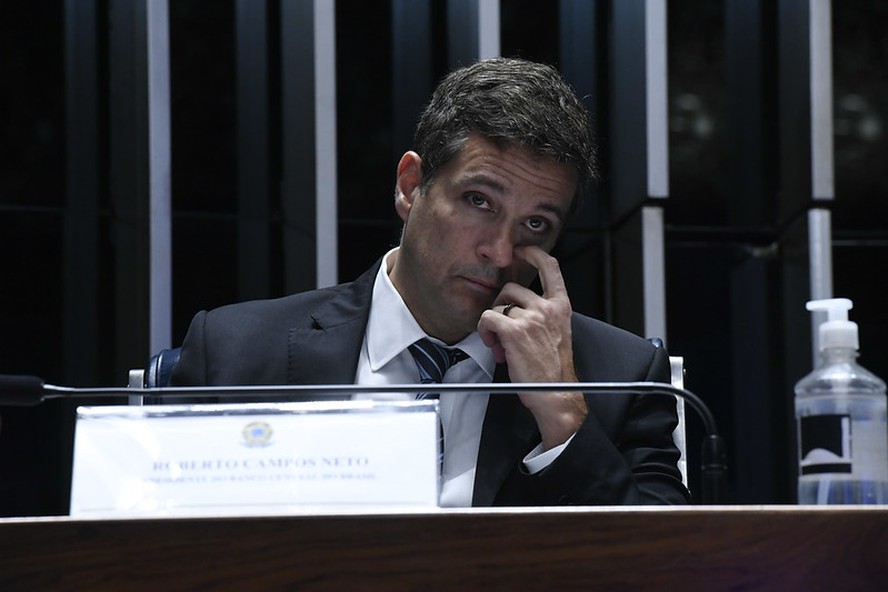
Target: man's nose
[498,246]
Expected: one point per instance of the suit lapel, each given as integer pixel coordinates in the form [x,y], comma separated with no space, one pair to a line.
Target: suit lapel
[326,351]
[508,433]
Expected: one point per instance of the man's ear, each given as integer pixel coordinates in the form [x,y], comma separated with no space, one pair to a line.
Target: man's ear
[408,183]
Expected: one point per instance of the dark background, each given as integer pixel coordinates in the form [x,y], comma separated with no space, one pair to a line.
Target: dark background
[732,230]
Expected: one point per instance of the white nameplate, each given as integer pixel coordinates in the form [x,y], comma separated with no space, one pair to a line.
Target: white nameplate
[254,458]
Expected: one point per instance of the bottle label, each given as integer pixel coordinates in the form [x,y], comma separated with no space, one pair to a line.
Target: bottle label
[836,444]
[825,444]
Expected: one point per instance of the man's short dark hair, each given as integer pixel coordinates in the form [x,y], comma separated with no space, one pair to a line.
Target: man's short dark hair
[512,102]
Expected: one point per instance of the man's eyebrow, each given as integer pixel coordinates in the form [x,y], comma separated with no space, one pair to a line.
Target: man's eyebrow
[481,179]
[554,210]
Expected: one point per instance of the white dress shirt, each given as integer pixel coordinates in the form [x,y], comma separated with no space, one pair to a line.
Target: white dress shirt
[384,359]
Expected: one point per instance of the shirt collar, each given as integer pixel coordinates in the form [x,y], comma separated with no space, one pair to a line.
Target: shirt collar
[391,327]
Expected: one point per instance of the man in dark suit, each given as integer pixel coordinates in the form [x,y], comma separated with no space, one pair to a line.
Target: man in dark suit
[503,152]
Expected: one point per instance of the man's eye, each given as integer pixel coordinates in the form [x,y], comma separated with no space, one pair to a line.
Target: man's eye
[478,201]
[536,224]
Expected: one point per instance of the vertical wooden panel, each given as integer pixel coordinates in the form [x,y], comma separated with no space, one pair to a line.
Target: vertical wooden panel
[159,176]
[308,98]
[129,181]
[640,157]
[325,143]
[473,31]
[298,155]
[411,69]
[253,154]
[80,331]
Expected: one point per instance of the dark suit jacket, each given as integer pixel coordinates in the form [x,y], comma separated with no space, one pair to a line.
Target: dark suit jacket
[622,454]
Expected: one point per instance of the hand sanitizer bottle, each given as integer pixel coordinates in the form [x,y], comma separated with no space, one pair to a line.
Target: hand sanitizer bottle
[840,415]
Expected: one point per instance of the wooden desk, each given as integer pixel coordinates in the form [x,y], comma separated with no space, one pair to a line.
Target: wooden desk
[725,548]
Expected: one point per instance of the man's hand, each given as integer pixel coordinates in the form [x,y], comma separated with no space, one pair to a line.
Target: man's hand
[534,338]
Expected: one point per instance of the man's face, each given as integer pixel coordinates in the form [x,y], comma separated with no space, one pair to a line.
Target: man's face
[457,249]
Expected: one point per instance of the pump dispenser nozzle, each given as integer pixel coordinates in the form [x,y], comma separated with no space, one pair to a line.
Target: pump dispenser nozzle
[837,330]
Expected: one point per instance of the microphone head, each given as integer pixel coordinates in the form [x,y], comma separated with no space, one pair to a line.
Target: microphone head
[20,390]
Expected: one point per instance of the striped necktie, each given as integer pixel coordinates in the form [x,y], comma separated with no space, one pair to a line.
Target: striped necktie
[433,360]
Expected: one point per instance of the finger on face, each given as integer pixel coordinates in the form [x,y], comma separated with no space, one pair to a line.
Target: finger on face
[549,270]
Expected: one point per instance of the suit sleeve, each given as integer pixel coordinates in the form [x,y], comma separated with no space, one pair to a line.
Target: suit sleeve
[623,454]
[191,369]
[239,344]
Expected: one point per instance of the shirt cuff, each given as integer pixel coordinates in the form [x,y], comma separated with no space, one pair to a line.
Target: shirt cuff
[538,459]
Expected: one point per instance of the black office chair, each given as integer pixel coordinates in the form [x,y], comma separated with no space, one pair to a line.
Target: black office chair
[160,367]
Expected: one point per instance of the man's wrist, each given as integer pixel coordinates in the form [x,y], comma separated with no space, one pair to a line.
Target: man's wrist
[561,418]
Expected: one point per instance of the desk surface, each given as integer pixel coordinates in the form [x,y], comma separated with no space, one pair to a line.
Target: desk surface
[693,548]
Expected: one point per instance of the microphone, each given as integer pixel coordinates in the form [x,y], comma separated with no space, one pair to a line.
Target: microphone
[31,391]
[21,390]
